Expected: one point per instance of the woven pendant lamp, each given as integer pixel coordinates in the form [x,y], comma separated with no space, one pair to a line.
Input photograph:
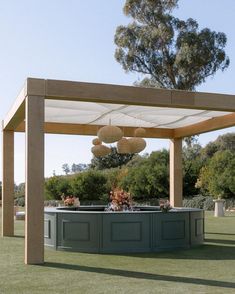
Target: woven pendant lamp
[100,150]
[137,144]
[123,146]
[110,134]
[140,132]
[96,141]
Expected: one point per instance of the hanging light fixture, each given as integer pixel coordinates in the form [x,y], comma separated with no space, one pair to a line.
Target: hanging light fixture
[139,132]
[110,134]
[96,141]
[123,146]
[137,144]
[100,150]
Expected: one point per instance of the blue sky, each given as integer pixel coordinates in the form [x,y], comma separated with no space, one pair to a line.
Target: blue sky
[73,40]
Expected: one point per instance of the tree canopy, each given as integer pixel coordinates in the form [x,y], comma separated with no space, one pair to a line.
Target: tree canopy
[171,53]
[149,178]
[218,177]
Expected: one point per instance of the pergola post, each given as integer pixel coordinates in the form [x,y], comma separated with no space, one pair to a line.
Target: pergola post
[34,183]
[8,184]
[176,180]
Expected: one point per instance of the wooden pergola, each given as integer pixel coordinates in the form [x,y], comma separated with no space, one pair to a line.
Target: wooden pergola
[28,115]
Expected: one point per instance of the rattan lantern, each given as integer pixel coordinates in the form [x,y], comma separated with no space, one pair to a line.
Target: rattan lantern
[123,146]
[96,141]
[110,134]
[100,150]
[137,144]
[140,132]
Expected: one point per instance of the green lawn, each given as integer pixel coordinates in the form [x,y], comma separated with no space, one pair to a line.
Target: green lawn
[207,269]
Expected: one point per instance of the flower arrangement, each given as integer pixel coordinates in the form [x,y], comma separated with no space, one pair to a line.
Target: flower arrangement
[120,200]
[70,200]
[165,206]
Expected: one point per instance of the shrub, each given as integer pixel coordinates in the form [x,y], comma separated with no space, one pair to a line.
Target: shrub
[217,177]
[209,203]
[229,203]
[195,202]
[53,203]
[202,202]
[114,177]
[149,177]
[90,185]
[56,186]
[20,201]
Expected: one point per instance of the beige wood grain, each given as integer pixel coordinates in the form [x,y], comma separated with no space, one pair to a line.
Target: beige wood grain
[106,93]
[176,180]
[34,184]
[8,184]
[212,124]
[91,130]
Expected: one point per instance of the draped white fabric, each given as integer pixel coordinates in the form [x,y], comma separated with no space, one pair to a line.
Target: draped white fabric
[124,115]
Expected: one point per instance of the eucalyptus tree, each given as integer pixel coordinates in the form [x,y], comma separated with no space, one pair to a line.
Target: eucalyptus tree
[169,52]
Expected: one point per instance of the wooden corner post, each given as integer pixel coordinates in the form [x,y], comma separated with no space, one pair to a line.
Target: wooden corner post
[8,183]
[176,176]
[34,183]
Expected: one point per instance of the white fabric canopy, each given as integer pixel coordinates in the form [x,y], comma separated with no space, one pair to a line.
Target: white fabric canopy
[124,115]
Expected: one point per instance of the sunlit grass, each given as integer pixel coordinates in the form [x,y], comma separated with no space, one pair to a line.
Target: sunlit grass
[206,269]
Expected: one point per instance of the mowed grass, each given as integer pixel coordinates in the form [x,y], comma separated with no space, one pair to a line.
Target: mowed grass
[206,269]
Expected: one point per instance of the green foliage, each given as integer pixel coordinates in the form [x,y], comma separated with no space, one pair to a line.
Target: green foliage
[226,142]
[149,177]
[211,169]
[20,190]
[206,202]
[114,177]
[112,160]
[56,186]
[190,141]
[66,168]
[229,203]
[90,185]
[75,168]
[192,164]
[172,53]
[20,201]
[209,204]
[218,177]
[202,202]
[210,149]
[223,142]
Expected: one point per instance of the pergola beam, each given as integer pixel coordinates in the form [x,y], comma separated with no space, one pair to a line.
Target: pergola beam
[91,130]
[105,93]
[209,125]
[17,113]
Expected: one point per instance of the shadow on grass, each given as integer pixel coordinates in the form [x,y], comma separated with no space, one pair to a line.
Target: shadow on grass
[18,236]
[140,275]
[204,252]
[220,241]
[223,234]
